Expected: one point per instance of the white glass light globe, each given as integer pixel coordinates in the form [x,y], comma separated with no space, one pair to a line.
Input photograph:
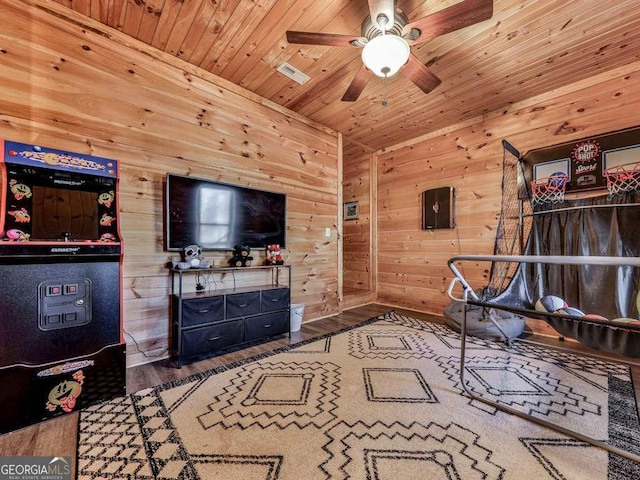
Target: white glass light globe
[385,54]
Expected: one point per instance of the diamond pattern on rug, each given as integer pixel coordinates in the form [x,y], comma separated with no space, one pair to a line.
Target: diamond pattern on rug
[258,467]
[283,394]
[321,346]
[388,343]
[429,451]
[280,389]
[519,382]
[381,464]
[381,385]
[572,362]
[557,454]
[443,333]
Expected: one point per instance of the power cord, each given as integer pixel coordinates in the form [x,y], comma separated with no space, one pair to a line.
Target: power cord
[140,350]
[209,279]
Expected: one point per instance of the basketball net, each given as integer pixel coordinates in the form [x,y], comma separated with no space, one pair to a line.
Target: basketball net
[549,189]
[623,178]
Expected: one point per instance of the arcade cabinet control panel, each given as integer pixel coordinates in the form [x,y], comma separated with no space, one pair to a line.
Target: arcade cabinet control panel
[64,304]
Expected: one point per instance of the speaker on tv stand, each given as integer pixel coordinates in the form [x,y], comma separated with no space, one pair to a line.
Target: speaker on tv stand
[438,208]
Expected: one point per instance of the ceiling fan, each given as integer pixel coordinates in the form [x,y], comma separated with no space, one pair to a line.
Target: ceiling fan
[387,35]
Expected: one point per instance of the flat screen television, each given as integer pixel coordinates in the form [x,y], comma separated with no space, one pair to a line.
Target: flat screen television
[218,216]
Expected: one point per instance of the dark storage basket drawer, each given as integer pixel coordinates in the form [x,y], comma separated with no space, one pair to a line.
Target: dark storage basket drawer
[243,304]
[202,310]
[266,325]
[276,299]
[199,341]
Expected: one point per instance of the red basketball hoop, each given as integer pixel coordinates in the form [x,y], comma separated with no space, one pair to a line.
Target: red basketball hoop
[549,189]
[623,178]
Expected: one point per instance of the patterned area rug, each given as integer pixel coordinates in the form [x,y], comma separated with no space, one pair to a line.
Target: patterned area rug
[381,401]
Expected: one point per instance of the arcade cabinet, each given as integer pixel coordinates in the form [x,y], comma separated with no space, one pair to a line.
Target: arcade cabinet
[61,341]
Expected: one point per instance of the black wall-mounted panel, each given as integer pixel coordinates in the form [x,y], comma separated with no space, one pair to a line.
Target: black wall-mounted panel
[438,208]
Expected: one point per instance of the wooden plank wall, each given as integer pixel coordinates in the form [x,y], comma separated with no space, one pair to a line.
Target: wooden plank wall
[75,85]
[358,262]
[412,271]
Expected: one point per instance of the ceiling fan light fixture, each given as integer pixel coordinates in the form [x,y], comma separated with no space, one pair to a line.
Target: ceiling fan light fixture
[385,54]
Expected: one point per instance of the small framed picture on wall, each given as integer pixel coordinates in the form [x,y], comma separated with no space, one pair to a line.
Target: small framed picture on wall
[351,211]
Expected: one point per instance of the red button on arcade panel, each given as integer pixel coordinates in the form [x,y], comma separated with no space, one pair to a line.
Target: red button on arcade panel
[53,290]
[71,289]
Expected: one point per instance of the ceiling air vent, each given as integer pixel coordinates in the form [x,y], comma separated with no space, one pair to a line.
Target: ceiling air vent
[293,73]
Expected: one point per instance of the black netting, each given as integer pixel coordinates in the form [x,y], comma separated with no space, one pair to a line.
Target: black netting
[515,220]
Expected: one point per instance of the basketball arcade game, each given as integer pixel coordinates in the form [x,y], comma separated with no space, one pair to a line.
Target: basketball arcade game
[580,250]
[61,343]
[610,161]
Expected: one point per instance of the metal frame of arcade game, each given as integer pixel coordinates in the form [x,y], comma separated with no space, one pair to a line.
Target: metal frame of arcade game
[61,337]
[625,332]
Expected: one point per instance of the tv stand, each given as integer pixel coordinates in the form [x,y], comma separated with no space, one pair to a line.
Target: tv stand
[205,323]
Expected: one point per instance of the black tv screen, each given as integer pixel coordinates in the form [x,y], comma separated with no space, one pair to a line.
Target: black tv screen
[218,216]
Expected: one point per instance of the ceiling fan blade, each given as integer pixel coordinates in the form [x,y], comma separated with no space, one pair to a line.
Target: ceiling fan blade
[382,7]
[460,15]
[328,39]
[357,85]
[419,74]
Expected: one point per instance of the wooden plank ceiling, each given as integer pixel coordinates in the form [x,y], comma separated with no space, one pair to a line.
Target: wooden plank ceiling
[528,47]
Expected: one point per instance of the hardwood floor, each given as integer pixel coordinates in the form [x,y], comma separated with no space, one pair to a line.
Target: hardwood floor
[58,437]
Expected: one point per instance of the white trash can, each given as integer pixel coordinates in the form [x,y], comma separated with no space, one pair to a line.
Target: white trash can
[297,312]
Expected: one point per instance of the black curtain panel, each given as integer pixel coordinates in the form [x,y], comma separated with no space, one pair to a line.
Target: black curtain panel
[597,226]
